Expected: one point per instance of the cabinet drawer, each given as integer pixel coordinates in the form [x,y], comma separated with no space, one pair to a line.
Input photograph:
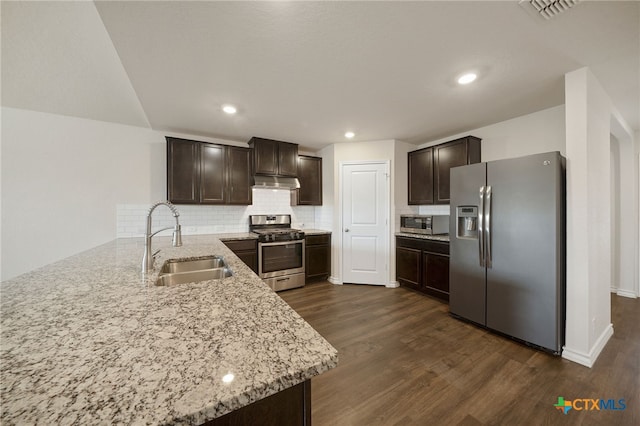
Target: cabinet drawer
[314,240]
[241,245]
[422,244]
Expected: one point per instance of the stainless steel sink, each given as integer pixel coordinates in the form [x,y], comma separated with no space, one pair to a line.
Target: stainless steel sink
[176,265]
[190,271]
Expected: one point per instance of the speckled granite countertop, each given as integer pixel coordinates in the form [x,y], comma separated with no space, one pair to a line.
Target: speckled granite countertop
[442,238]
[237,236]
[87,340]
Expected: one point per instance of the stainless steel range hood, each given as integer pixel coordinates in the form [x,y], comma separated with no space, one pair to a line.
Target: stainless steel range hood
[275,182]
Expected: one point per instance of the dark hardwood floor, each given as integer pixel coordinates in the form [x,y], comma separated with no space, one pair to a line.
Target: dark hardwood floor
[404,361]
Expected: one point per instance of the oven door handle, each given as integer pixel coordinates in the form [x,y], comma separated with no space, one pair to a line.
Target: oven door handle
[281,243]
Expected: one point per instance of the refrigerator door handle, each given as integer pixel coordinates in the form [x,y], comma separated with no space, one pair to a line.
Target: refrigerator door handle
[487,227]
[481,227]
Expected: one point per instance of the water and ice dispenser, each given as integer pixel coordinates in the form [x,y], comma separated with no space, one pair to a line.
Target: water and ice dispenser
[467,222]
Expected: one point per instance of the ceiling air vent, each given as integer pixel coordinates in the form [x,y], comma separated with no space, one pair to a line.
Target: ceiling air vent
[548,8]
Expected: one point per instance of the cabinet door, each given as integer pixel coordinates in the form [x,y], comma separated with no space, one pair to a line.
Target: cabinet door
[212,174]
[310,177]
[408,267]
[246,250]
[420,165]
[287,159]
[239,176]
[265,156]
[436,274]
[448,155]
[250,258]
[317,262]
[182,171]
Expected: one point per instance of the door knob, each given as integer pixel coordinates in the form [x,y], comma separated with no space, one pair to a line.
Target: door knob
[346,229]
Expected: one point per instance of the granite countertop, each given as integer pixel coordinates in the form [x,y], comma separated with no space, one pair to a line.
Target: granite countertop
[88,340]
[441,237]
[237,236]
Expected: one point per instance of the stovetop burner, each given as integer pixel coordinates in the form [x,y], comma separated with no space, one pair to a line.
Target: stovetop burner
[274,228]
[267,235]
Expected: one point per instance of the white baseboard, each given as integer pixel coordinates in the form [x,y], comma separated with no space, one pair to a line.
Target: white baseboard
[626,293]
[588,359]
[334,280]
[393,284]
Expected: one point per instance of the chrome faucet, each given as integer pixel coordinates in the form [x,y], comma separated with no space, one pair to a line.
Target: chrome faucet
[147,258]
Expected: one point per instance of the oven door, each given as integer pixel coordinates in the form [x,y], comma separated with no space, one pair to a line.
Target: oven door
[280,258]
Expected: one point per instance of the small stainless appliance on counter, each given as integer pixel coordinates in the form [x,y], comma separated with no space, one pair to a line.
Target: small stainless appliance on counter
[280,251]
[423,224]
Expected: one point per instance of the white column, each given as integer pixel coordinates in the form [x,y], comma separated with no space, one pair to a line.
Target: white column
[627,250]
[588,115]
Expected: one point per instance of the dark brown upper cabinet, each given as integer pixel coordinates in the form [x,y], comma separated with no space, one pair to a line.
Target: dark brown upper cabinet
[455,153]
[274,158]
[206,173]
[183,171]
[239,176]
[429,169]
[421,176]
[212,174]
[310,177]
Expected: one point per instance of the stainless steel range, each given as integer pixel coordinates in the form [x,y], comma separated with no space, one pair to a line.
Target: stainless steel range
[280,251]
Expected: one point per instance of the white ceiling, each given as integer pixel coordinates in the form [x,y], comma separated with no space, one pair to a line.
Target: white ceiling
[306,72]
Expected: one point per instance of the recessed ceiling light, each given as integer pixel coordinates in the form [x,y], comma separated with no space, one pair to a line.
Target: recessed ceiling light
[467,78]
[349,135]
[229,109]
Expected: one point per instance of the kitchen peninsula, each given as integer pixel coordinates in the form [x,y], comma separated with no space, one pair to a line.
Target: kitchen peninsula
[88,340]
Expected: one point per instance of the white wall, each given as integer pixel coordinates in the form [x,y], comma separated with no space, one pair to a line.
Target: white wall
[401,184]
[61,180]
[624,220]
[401,197]
[541,131]
[70,184]
[324,213]
[358,151]
[614,206]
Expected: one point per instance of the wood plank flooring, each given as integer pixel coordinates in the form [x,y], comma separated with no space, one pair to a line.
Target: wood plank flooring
[404,361]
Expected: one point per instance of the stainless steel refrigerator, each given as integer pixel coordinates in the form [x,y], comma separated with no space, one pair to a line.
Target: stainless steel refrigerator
[507,259]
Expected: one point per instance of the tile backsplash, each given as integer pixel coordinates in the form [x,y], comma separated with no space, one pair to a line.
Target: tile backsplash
[131,218]
[435,210]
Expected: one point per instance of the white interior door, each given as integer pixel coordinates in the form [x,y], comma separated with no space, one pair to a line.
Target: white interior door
[365,211]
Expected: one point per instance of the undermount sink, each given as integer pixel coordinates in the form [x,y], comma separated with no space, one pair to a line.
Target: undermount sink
[176,265]
[189,271]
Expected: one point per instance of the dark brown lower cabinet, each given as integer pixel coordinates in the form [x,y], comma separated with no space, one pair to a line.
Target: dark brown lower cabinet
[408,267]
[246,250]
[290,407]
[436,274]
[423,265]
[317,257]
